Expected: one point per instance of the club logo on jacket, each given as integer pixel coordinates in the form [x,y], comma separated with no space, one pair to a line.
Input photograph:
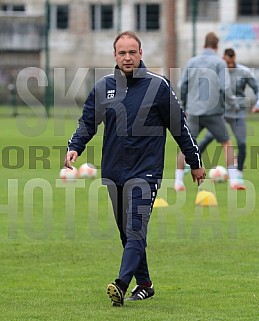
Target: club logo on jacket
[110,94]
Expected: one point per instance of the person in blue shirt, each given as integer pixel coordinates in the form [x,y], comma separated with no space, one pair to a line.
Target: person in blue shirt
[241,77]
[136,106]
[206,95]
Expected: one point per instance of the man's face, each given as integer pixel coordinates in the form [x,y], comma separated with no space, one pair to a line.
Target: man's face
[127,54]
[230,61]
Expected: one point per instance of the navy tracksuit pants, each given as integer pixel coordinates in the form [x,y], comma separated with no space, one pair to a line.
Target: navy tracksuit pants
[132,205]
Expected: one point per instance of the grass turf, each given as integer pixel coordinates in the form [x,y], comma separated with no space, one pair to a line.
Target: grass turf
[59,246]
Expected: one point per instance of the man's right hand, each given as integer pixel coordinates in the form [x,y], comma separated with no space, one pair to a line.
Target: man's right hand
[71,157]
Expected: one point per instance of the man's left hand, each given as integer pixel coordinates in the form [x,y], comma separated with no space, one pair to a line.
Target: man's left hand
[198,175]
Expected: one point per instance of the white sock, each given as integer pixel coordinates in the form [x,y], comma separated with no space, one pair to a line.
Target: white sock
[232,174]
[179,174]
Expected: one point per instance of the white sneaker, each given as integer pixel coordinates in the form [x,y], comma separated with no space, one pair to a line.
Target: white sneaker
[238,184]
[179,186]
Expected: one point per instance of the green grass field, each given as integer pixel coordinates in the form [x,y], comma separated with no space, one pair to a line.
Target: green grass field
[59,247]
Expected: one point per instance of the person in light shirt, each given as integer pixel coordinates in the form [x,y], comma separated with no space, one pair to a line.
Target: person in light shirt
[241,77]
[206,95]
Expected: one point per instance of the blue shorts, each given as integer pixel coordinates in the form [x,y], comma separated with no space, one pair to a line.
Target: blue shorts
[214,123]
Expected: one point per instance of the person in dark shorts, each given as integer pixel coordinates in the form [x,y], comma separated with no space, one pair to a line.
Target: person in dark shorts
[241,77]
[205,93]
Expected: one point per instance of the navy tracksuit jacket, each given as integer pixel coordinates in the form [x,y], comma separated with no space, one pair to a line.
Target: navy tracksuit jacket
[136,112]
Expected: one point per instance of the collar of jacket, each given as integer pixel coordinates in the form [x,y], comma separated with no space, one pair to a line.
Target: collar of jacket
[209,51]
[139,72]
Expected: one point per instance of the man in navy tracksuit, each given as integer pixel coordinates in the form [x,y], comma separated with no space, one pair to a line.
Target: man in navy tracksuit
[136,107]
